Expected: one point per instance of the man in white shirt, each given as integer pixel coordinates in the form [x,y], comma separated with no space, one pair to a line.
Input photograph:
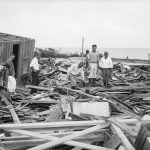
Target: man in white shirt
[34,65]
[106,66]
[73,72]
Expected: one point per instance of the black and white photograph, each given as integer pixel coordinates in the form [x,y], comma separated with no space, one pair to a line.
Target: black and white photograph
[74,74]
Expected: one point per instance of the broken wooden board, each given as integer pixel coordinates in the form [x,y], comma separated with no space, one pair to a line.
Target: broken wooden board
[35,139]
[77,134]
[113,142]
[11,109]
[80,92]
[54,114]
[121,88]
[38,88]
[50,101]
[53,125]
[67,138]
[123,138]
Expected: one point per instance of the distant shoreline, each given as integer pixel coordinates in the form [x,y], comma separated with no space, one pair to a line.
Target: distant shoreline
[121,53]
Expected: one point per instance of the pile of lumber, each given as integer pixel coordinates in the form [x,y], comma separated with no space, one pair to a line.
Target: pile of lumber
[58,117]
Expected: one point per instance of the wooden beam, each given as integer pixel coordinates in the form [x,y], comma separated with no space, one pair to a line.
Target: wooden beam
[16,144]
[94,137]
[1,146]
[50,101]
[123,138]
[55,125]
[49,137]
[38,88]
[77,148]
[79,92]
[124,127]
[67,124]
[11,109]
[68,138]
[121,88]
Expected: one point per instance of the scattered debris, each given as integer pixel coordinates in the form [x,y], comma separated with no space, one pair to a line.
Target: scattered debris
[98,118]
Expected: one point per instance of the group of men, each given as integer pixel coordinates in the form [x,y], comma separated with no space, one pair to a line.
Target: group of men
[93,62]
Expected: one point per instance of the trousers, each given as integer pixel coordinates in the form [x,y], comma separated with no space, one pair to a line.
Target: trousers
[106,72]
[35,81]
[93,70]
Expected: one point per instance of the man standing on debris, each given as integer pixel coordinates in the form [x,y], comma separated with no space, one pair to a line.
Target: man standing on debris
[106,66]
[73,72]
[34,65]
[94,63]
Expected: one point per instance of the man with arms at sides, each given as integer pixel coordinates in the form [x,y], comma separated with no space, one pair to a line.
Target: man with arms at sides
[106,66]
[94,63]
[73,72]
[34,65]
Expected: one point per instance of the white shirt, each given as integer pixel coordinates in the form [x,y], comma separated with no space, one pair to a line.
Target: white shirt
[106,63]
[34,63]
[75,70]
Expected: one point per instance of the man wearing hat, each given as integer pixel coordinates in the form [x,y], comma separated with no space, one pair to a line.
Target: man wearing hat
[73,72]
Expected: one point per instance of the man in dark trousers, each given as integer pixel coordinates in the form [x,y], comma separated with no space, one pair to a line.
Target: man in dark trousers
[34,65]
[106,66]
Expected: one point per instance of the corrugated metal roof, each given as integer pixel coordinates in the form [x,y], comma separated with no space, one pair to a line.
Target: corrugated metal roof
[9,37]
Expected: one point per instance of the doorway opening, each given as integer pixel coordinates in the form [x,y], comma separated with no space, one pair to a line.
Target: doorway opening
[15,61]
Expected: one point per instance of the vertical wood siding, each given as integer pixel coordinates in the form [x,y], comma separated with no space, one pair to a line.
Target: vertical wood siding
[26,54]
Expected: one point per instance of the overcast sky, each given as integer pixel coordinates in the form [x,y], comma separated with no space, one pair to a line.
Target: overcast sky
[62,23]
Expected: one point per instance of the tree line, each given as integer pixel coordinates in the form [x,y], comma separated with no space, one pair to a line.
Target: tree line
[51,52]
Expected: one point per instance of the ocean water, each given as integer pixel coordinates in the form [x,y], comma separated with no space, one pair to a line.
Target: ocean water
[132,53]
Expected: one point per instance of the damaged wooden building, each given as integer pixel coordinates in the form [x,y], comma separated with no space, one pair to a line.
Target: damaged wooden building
[23,49]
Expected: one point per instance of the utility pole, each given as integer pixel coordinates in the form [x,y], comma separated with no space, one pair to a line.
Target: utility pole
[82,47]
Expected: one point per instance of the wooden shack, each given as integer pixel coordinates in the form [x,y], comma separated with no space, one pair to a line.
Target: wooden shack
[22,47]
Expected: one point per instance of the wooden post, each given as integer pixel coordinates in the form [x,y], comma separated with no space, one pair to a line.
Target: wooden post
[82,47]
